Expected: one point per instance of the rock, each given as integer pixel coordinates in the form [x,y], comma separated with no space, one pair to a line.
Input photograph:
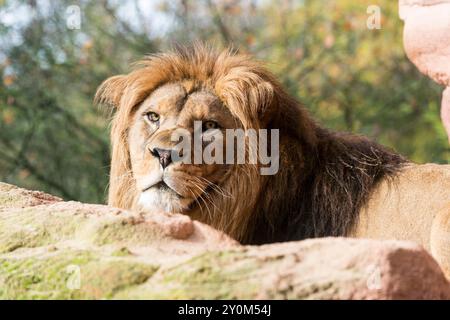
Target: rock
[68,250]
[445,110]
[14,197]
[426,38]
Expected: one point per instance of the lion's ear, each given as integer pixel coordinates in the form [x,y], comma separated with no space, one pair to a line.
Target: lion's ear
[111,90]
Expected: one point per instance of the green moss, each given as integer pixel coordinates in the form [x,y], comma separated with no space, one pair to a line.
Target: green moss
[39,278]
[121,252]
[104,279]
[32,228]
[213,275]
[69,275]
[124,231]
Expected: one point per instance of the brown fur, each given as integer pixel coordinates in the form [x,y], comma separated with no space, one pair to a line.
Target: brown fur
[325,178]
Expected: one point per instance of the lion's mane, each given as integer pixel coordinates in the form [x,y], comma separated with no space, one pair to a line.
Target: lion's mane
[324,177]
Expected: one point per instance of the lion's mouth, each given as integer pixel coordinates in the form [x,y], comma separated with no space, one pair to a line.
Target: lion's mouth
[162,186]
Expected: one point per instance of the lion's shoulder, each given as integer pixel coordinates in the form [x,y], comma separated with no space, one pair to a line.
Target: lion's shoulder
[421,184]
[427,178]
[404,207]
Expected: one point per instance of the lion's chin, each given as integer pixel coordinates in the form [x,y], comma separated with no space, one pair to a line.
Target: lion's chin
[167,200]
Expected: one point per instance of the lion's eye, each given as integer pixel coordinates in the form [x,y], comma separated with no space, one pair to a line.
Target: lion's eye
[152,117]
[210,125]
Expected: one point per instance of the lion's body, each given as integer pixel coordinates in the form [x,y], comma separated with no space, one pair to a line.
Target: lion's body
[413,206]
[328,184]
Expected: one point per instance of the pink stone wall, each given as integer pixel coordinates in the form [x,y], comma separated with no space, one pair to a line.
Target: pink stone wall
[426,39]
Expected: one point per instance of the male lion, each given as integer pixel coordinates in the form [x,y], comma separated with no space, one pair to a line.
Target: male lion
[328,184]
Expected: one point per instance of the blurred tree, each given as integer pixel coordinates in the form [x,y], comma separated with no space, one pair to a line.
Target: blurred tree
[52,138]
[350,77]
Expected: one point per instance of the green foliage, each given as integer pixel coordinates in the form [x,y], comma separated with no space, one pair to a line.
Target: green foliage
[52,137]
[351,78]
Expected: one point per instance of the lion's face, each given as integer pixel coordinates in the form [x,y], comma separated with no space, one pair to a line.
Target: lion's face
[164,184]
[171,91]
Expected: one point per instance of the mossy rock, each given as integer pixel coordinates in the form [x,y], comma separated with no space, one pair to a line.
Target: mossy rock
[69,274]
[15,197]
[50,249]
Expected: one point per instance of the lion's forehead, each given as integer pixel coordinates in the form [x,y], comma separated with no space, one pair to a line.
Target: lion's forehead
[169,93]
[177,95]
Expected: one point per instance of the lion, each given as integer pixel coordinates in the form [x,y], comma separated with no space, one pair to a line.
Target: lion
[328,183]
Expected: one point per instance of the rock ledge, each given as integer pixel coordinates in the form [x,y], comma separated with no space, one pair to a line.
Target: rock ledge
[50,249]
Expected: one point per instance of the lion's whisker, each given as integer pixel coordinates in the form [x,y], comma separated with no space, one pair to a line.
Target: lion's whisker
[216,187]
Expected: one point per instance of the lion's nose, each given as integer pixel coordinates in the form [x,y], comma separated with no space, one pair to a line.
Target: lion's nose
[164,156]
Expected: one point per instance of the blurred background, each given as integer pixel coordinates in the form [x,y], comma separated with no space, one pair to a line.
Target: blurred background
[54,54]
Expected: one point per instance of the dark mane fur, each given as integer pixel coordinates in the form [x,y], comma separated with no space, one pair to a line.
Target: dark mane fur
[339,172]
